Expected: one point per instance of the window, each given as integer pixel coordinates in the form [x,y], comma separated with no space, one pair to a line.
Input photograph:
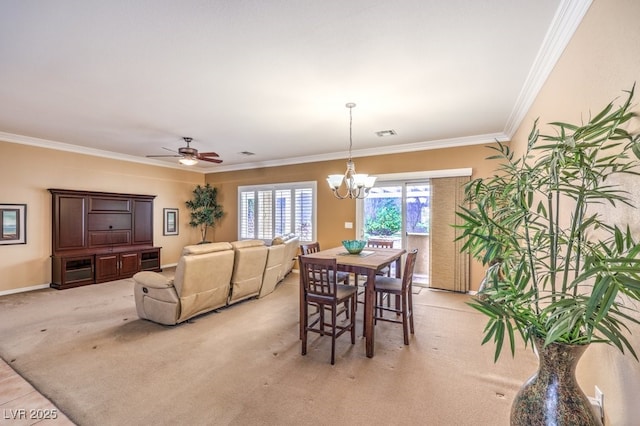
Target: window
[266,211]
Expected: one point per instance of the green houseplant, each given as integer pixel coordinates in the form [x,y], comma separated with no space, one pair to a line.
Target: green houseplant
[558,272]
[205,210]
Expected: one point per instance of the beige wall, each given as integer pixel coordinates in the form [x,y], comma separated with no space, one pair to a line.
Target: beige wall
[333,213]
[32,170]
[27,171]
[599,63]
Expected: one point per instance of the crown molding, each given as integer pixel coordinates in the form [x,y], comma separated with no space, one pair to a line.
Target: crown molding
[565,22]
[77,149]
[394,149]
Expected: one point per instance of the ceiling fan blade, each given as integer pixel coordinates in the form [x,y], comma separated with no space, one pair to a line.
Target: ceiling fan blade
[158,156]
[209,154]
[170,150]
[211,160]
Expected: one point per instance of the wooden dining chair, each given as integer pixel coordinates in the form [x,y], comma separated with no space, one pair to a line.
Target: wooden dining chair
[381,243]
[321,288]
[343,277]
[401,288]
[309,248]
[386,271]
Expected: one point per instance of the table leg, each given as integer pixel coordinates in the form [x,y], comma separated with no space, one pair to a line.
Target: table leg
[369,308]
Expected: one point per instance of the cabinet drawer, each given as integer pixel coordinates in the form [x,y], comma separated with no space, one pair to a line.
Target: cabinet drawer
[107,204]
[109,238]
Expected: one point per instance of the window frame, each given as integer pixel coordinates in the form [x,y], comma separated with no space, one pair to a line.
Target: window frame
[290,186]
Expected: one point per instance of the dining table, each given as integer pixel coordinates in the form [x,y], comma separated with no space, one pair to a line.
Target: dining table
[366,263]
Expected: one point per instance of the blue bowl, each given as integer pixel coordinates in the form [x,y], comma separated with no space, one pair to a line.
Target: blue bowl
[354,246]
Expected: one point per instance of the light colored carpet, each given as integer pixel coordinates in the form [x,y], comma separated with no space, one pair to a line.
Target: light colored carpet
[86,350]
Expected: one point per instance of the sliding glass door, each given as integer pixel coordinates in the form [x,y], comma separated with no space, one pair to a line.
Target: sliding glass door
[400,212]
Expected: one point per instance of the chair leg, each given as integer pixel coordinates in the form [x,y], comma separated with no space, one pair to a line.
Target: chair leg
[305,324]
[333,334]
[405,330]
[410,309]
[353,319]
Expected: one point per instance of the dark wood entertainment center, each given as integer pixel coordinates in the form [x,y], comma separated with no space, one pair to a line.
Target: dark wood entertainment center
[100,236]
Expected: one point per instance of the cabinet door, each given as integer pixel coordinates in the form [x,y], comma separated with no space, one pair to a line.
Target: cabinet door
[71,271]
[150,260]
[129,264]
[69,213]
[107,267]
[142,221]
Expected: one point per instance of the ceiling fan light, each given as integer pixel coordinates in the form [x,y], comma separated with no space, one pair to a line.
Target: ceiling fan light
[188,161]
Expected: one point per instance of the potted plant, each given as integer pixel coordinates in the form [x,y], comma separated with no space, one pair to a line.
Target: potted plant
[205,210]
[559,274]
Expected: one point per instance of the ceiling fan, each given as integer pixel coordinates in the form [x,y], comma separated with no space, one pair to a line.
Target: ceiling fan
[190,156]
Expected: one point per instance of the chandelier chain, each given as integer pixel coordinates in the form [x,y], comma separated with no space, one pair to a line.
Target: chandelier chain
[350,106]
[355,185]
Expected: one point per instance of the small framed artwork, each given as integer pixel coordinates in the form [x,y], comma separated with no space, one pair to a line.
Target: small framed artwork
[170,222]
[13,224]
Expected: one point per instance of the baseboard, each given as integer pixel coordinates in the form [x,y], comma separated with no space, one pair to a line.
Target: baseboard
[23,289]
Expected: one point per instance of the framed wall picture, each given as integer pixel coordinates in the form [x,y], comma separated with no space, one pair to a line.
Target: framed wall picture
[13,224]
[170,222]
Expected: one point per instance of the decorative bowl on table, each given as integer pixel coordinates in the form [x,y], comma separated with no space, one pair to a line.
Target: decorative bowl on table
[354,246]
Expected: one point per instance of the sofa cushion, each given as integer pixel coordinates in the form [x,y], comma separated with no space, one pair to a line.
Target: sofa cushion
[247,243]
[153,279]
[205,248]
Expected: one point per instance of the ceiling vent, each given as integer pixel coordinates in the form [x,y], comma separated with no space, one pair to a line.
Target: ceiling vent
[383,133]
[247,153]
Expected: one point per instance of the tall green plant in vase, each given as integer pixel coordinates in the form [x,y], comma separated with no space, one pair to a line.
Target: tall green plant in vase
[559,273]
[205,210]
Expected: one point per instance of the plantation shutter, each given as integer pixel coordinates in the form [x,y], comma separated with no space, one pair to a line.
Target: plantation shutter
[267,211]
[449,267]
[304,213]
[282,212]
[246,220]
[265,215]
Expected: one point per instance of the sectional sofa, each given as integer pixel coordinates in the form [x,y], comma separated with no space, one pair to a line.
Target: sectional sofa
[212,276]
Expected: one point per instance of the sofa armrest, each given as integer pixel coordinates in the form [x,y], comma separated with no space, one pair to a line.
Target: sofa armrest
[153,280]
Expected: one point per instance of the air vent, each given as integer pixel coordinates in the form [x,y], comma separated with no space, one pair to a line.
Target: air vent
[247,153]
[383,133]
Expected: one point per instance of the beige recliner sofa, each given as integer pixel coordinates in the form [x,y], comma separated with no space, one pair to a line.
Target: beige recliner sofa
[273,269]
[248,269]
[292,245]
[201,284]
[212,276]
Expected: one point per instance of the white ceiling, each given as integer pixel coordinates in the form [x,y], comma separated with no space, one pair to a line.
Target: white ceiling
[124,79]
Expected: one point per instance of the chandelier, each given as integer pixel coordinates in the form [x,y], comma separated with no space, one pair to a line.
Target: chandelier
[356,185]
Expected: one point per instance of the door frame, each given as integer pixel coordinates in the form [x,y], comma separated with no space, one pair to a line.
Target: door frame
[403,179]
